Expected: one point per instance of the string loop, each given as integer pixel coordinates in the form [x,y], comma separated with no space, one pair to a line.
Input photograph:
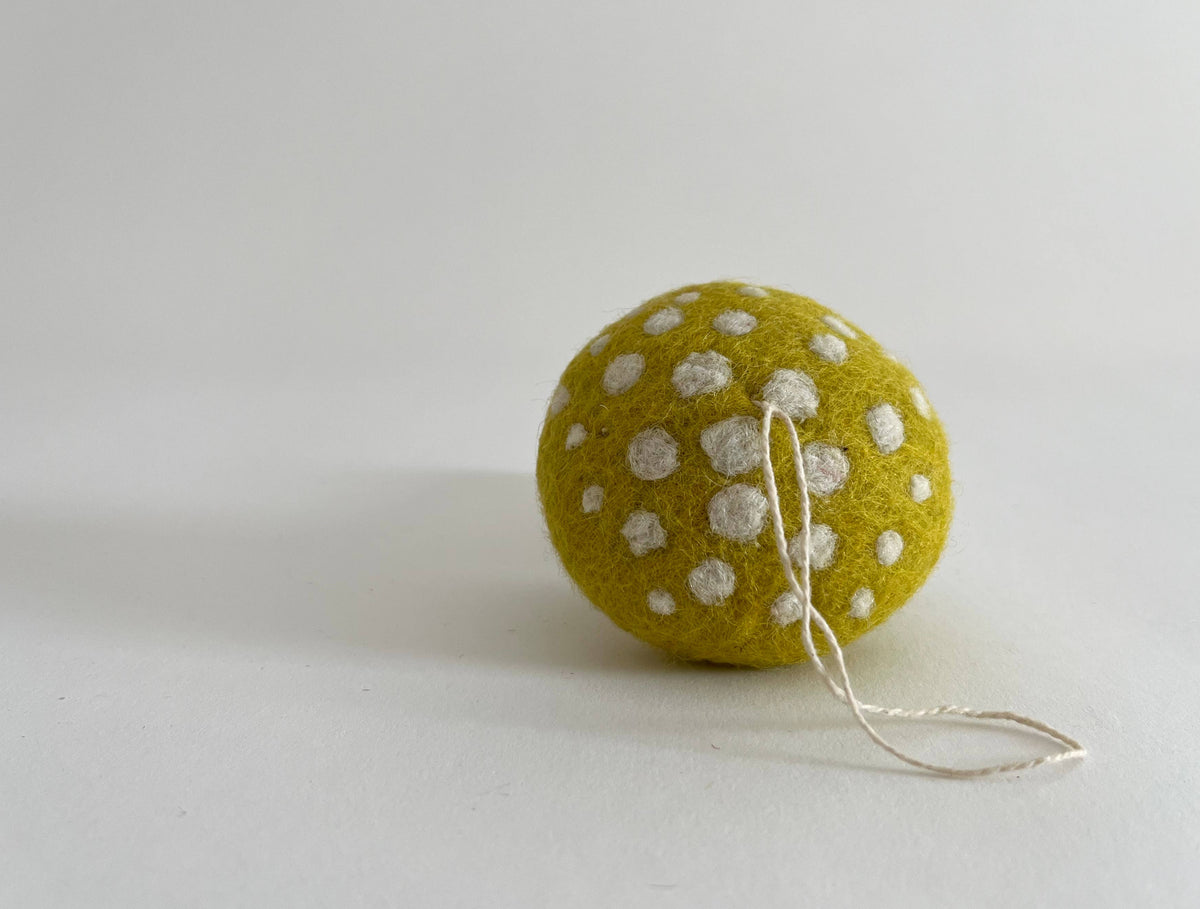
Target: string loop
[801,588]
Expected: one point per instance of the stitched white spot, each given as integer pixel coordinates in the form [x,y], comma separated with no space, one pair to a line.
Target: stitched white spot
[822,546]
[644,532]
[593,499]
[712,582]
[793,392]
[663,321]
[733,446]
[839,326]
[576,436]
[623,372]
[734,322]
[920,402]
[786,609]
[825,467]
[751,291]
[559,400]
[597,346]
[888,548]
[737,513]
[920,488]
[653,454]
[701,373]
[829,347]
[887,429]
[660,602]
[861,603]
[690,297]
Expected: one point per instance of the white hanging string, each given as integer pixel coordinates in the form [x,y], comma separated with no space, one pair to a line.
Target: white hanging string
[802,588]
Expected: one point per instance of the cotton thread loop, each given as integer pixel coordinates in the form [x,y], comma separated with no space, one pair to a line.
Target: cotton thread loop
[843,692]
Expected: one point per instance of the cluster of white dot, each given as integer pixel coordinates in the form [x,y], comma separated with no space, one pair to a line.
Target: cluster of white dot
[738,512]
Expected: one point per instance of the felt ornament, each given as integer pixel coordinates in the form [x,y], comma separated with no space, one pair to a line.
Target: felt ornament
[659,473]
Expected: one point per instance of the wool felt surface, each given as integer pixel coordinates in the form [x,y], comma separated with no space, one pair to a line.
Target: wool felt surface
[652,491]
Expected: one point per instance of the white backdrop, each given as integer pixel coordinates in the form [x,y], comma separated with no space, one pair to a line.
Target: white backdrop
[283,290]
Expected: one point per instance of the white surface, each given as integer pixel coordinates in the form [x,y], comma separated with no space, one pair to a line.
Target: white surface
[283,294]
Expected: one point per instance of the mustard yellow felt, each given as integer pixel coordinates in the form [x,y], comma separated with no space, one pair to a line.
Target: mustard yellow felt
[585,444]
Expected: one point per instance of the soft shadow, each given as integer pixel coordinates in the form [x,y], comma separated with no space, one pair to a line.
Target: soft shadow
[440,565]
[452,568]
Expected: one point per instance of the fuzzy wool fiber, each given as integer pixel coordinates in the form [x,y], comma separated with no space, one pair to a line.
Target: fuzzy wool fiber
[653,492]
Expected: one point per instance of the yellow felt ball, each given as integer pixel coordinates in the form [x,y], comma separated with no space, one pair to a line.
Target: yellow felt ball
[650,473]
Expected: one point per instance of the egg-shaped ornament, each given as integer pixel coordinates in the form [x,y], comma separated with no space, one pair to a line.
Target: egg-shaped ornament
[737,474]
[651,473]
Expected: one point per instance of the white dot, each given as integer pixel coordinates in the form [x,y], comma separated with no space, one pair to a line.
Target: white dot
[653,454]
[623,372]
[733,445]
[920,488]
[738,513]
[593,499]
[839,326]
[751,291]
[559,400]
[829,347]
[822,547]
[690,297]
[825,467]
[663,321]
[660,602]
[734,322]
[887,429]
[712,582]
[888,548]
[786,609]
[597,346]
[576,436]
[701,373]
[861,603]
[793,392]
[920,402]
[644,532]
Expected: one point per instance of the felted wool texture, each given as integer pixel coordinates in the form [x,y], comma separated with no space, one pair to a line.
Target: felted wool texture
[654,502]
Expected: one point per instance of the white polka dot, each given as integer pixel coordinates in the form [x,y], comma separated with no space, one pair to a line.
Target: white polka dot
[576,436]
[701,373]
[920,402]
[825,467]
[733,445]
[623,372]
[887,429]
[920,488]
[861,603]
[786,609]
[597,346]
[712,582]
[888,548]
[593,499]
[690,297]
[663,321]
[751,291]
[644,532]
[822,547]
[829,347]
[839,326]
[734,322]
[793,392]
[559,400]
[660,602]
[653,454]
[738,513]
